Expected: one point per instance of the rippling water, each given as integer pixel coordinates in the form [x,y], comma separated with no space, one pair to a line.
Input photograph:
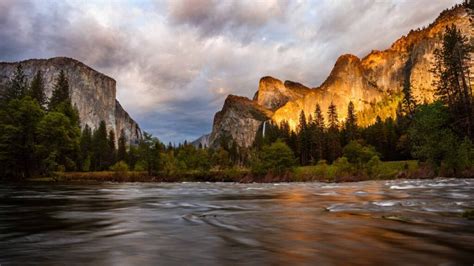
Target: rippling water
[376,222]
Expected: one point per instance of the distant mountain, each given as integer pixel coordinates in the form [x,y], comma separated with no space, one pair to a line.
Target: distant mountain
[374,84]
[93,93]
[202,141]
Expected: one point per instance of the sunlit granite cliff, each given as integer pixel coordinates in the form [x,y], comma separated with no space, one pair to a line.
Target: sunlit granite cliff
[374,84]
[93,93]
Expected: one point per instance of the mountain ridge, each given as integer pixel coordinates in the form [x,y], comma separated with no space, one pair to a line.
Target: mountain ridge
[373,80]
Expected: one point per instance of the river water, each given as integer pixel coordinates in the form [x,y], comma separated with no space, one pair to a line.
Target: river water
[375,222]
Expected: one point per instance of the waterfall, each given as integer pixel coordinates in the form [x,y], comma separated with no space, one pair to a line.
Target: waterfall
[263,130]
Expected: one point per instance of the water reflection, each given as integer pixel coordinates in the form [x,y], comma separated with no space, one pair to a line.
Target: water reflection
[386,222]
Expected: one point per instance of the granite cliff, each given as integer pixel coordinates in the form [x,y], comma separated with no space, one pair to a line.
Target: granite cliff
[374,84]
[93,93]
[237,120]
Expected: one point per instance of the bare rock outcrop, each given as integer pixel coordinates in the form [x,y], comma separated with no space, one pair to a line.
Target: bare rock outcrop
[93,93]
[238,120]
[272,93]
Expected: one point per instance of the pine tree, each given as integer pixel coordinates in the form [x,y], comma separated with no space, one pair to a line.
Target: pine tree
[149,150]
[304,141]
[17,87]
[100,146]
[122,147]
[333,120]
[85,144]
[408,101]
[318,135]
[334,149]
[451,69]
[59,142]
[350,126]
[19,137]
[112,152]
[319,118]
[36,90]
[60,92]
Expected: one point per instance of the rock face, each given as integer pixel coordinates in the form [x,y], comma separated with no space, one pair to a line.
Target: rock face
[238,120]
[273,94]
[93,93]
[374,83]
[202,141]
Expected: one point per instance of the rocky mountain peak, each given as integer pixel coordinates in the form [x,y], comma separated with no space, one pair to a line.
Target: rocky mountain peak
[238,116]
[272,93]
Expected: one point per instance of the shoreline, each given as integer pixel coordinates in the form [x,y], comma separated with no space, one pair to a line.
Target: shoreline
[49,180]
[390,170]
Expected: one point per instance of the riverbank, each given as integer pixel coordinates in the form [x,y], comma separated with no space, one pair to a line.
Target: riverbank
[321,173]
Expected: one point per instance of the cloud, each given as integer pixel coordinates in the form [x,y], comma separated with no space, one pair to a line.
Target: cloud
[175,61]
[212,17]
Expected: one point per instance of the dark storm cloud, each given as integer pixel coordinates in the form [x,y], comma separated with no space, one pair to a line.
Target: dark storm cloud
[176,61]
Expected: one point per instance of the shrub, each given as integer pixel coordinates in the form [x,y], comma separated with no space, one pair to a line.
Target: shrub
[276,158]
[140,166]
[373,166]
[322,169]
[358,154]
[343,167]
[119,167]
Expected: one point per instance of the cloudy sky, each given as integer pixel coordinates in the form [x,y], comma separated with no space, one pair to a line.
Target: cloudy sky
[176,61]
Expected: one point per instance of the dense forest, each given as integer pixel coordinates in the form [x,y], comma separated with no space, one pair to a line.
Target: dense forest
[40,136]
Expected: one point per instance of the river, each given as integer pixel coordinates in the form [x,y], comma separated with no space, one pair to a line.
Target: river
[375,222]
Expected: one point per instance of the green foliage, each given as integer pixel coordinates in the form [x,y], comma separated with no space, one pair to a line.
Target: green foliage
[17,87]
[59,140]
[169,163]
[220,159]
[431,138]
[36,90]
[18,137]
[374,166]
[122,147]
[276,158]
[85,146]
[120,169]
[86,164]
[318,136]
[68,110]
[149,150]
[357,153]
[464,155]
[120,166]
[111,150]
[60,92]
[100,148]
[453,86]
[304,140]
[343,167]
[322,169]
[350,126]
